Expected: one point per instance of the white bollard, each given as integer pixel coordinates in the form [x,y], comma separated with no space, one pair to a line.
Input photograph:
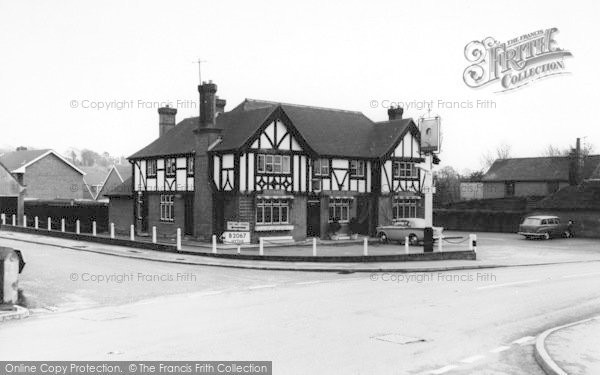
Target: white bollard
[3,217]
[406,246]
[62,225]
[112,230]
[36,223]
[132,232]
[440,240]
[94,228]
[77,226]
[314,246]
[239,249]
[24,221]
[365,247]
[214,244]
[49,224]
[261,246]
[14,217]
[178,239]
[153,234]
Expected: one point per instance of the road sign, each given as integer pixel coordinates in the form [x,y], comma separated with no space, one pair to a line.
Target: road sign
[236,237]
[238,226]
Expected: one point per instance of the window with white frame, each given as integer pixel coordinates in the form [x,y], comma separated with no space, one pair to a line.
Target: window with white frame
[403,207]
[151,168]
[339,209]
[167,207]
[357,168]
[272,211]
[402,169]
[189,164]
[273,164]
[170,167]
[321,167]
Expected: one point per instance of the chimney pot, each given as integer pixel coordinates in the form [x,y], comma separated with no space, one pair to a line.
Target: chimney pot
[395,113]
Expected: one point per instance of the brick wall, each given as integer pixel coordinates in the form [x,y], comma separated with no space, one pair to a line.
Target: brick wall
[120,212]
[165,228]
[51,178]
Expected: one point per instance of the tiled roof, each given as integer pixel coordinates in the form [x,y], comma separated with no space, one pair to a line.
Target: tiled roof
[582,197]
[326,131]
[553,168]
[121,190]
[15,159]
[124,171]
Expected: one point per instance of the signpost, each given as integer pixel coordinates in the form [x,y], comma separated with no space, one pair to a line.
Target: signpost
[238,232]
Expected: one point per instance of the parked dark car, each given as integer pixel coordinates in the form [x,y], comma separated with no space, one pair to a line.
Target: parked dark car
[545,227]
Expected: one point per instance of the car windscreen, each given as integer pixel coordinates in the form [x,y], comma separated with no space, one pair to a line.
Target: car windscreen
[531,221]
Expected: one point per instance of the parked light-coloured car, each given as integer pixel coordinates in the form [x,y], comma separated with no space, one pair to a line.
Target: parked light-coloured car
[412,228]
[544,227]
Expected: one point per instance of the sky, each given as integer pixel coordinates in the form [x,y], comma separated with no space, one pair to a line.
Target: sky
[92,74]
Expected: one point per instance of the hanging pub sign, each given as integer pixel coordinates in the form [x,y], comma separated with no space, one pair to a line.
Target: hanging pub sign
[430,134]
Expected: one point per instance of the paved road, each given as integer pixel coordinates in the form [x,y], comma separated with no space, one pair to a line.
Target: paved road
[459,322]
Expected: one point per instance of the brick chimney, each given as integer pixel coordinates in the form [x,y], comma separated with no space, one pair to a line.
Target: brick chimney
[166,120]
[395,113]
[220,104]
[206,134]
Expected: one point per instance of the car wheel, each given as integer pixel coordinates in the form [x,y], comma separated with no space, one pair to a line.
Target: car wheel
[413,240]
[547,236]
[383,238]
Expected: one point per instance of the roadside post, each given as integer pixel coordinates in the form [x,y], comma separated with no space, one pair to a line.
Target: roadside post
[365,246]
[261,246]
[49,224]
[24,221]
[10,267]
[14,220]
[94,228]
[214,244]
[132,232]
[428,240]
[314,246]
[62,224]
[35,223]
[153,234]
[3,218]
[440,245]
[178,243]
[406,246]
[77,226]
[112,230]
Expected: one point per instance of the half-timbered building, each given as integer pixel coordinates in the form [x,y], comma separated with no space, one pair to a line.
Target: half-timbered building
[287,170]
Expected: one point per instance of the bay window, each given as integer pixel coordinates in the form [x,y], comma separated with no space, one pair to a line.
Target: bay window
[272,211]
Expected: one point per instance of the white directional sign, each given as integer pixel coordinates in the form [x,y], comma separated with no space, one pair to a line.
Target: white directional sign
[236,237]
[241,226]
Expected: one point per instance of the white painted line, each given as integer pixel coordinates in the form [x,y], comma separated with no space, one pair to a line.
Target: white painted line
[443,370]
[523,340]
[581,275]
[499,349]
[472,359]
[262,286]
[211,293]
[507,284]
[309,282]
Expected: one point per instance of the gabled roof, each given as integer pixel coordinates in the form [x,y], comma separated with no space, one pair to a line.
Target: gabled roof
[9,186]
[121,190]
[17,161]
[116,172]
[552,168]
[326,131]
[95,175]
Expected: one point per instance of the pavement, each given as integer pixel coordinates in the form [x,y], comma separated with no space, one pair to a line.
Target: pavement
[572,349]
[12,312]
[494,250]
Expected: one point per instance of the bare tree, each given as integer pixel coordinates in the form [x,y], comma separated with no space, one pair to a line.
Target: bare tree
[551,150]
[502,151]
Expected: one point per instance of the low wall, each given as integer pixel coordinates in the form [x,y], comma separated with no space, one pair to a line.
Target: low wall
[478,220]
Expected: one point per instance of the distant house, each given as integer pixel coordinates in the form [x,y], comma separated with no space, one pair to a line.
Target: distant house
[116,176]
[120,206]
[537,176]
[45,174]
[94,178]
[11,195]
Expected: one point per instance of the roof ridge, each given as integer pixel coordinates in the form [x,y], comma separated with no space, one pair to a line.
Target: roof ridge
[304,106]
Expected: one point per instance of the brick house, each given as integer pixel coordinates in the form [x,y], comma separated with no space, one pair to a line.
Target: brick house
[537,176]
[45,174]
[286,170]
